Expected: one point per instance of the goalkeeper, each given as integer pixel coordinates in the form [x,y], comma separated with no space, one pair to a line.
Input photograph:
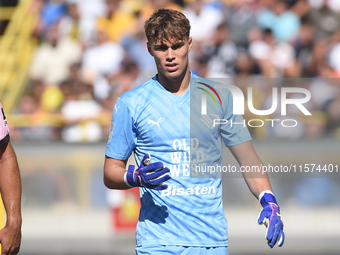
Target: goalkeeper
[179,214]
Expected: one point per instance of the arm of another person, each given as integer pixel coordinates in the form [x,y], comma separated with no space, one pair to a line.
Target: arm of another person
[10,188]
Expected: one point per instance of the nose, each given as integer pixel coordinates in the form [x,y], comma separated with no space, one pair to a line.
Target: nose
[170,54]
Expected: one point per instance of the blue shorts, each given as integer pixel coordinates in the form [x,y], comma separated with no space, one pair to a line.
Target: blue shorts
[182,250]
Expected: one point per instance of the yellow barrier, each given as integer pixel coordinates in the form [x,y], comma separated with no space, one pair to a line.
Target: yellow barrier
[6,12]
[47,119]
[17,48]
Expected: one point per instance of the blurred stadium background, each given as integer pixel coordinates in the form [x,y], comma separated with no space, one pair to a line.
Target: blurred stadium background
[63,63]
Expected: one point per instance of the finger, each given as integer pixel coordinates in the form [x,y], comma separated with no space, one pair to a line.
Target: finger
[157,174]
[271,229]
[277,229]
[161,179]
[161,187]
[154,167]
[15,251]
[4,251]
[271,245]
[262,217]
[281,238]
[146,160]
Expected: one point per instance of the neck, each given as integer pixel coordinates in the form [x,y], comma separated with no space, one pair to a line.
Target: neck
[179,85]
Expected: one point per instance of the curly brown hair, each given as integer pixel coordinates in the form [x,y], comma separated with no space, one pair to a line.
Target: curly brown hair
[167,25]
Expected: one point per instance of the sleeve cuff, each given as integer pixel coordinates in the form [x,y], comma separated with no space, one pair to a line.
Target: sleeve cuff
[5,140]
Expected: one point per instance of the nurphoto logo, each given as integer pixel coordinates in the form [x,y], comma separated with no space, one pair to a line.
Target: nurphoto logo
[239,102]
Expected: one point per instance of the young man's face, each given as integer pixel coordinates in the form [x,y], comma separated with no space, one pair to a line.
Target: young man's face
[171,57]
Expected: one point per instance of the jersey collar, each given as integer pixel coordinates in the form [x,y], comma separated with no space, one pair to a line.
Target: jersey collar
[174,98]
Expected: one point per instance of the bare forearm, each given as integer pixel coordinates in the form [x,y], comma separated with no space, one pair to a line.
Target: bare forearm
[248,159]
[258,181]
[10,185]
[257,185]
[114,174]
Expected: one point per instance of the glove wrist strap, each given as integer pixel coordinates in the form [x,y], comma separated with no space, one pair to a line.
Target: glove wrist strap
[267,197]
[265,191]
[128,176]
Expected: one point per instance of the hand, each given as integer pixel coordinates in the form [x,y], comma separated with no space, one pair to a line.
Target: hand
[10,239]
[271,218]
[151,176]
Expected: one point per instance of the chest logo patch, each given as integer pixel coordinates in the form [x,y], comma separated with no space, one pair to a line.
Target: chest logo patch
[154,122]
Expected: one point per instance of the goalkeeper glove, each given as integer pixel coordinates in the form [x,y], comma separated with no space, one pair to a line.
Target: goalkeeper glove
[271,218]
[151,176]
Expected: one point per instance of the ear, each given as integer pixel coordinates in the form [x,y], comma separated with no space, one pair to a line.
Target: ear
[149,48]
[190,43]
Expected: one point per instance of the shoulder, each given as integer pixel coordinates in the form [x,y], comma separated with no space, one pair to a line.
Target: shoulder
[220,87]
[218,93]
[140,96]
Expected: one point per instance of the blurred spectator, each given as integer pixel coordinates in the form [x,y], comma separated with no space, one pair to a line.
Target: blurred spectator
[284,23]
[319,54]
[116,23]
[135,45]
[74,72]
[245,66]
[332,108]
[300,7]
[50,14]
[274,58]
[28,105]
[69,24]
[52,99]
[332,4]
[222,54]
[325,20]
[126,79]
[304,44]
[103,87]
[334,54]
[324,88]
[203,18]
[89,10]
[115,84]
[36,88]
[80,112]
[102,59]
[54,56]
[200,66]
[153,5]
[236,39]
[35,127]
[240,18]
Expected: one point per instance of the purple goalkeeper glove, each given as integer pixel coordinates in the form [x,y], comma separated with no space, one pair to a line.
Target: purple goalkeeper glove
[271,218]
[151,176]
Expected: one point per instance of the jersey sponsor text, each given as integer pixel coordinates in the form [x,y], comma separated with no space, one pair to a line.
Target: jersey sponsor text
[198,191]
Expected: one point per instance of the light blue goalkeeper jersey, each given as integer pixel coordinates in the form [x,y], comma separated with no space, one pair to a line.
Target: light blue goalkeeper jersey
[151,119]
